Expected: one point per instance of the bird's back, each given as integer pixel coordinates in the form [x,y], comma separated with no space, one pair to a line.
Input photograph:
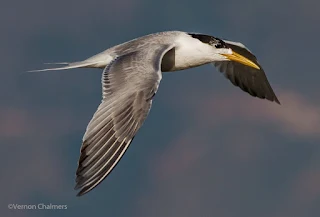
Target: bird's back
[137,44]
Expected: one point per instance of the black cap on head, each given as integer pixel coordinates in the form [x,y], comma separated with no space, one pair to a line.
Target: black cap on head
[208,39]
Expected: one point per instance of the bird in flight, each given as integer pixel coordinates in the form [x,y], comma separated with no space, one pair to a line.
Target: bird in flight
[132,72]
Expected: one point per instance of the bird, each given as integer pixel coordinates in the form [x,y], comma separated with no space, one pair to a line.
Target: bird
[131,75]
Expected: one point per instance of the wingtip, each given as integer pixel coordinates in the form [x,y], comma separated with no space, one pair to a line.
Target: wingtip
[82,192]
[275,99]
[79,187]
[79,194]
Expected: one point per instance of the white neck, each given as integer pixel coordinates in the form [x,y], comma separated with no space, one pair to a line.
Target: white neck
[191,52]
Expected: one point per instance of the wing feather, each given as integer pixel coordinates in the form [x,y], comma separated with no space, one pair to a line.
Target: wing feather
[250,80]
[129,83]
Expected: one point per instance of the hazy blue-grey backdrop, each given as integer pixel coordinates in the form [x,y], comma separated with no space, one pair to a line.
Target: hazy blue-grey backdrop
[206,149]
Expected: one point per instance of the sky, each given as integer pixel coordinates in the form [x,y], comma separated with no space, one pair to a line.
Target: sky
[206,148]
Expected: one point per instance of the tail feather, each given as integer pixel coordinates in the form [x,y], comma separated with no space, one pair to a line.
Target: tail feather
[63,63]
[73,65]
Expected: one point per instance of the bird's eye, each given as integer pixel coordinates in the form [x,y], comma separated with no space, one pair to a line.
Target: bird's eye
[220,44]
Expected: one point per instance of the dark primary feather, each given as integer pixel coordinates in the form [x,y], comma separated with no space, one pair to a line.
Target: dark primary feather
[129,84]
[250,80]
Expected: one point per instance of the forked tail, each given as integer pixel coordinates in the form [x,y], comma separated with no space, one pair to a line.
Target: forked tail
[73,65]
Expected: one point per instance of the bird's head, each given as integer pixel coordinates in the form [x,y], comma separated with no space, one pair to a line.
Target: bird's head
[224,52]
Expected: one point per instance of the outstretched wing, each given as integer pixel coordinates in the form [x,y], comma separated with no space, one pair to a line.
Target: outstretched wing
[251,80]
[129,84]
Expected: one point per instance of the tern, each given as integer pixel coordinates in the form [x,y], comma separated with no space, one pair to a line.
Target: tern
[132,72]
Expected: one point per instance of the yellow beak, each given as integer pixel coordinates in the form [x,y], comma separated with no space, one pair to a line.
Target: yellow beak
[241,59]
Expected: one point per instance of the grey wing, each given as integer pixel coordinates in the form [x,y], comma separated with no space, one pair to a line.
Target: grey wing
[129,84]
[250,80]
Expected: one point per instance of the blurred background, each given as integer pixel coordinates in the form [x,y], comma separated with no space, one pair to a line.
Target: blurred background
[206,149]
